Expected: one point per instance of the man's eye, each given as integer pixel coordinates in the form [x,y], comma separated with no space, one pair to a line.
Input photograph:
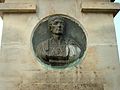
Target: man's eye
[56,23]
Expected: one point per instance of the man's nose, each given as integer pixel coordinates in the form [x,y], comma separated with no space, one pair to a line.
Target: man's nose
[59,25]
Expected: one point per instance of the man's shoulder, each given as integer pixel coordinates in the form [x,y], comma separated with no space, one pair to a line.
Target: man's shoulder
[43,44]
[70,40]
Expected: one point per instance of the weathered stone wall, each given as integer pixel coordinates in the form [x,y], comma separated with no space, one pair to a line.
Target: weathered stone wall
[96,0]
[20,70]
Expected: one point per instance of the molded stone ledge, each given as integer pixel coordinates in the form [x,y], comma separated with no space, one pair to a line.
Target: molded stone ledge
[112,0]
[2,1]
[100,7]
[17,7]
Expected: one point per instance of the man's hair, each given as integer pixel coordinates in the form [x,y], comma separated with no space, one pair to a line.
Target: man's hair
[52,19]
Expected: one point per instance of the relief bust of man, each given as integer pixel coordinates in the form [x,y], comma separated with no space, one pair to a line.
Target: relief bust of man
[58,50]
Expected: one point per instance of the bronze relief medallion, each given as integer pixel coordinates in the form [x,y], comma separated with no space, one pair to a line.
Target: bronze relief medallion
[59,41]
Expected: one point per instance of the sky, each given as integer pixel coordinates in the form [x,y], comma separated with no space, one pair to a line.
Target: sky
[116,22]
[117,28]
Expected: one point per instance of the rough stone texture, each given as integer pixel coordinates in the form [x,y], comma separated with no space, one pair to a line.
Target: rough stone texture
[20,70]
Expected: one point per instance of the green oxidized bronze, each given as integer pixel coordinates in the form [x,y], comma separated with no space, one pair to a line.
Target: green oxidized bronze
[58,51]
[56,45]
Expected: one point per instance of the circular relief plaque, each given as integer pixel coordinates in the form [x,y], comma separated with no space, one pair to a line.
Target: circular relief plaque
[59,41]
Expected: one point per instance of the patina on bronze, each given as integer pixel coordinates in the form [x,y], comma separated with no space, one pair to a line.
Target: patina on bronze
[58,50]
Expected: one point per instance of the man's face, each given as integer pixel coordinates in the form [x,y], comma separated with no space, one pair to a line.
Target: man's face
[57,26]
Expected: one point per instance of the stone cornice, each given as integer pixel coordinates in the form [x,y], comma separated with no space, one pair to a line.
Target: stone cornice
[100,7]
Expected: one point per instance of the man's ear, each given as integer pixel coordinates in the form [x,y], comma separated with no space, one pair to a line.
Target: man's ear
[49,28]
